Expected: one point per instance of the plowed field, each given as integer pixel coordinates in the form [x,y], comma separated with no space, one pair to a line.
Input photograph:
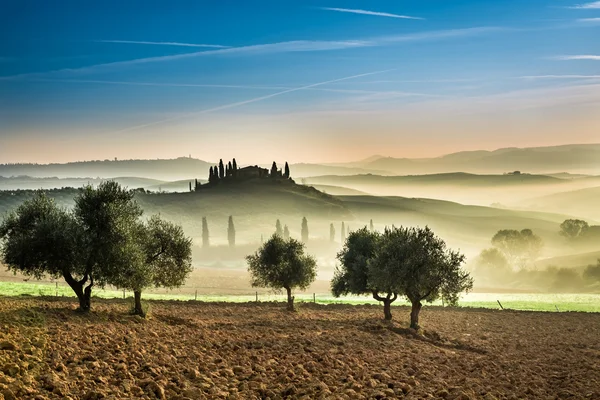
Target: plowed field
[193,350]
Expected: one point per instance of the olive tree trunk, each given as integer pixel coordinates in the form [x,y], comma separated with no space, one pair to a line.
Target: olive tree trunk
[290,299]
[414,314]
[83,293]
[387,304]
[137,306]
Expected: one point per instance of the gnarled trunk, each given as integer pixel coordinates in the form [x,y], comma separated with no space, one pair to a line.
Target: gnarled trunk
[83,293]
[414,314]
[387,304]
[290,299]
[387,310]
[137,307]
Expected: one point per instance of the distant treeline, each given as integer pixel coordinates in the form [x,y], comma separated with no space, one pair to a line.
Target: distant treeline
[172,169]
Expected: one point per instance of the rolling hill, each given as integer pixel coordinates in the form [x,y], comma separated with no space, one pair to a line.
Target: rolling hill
[583,203]
[581,158]
[459,187]
[166,170]
[256,205]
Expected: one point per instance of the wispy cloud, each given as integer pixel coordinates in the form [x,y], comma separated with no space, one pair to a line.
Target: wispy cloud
[432,35]
[536,77]
[253,100]
[366,12]
[280,47]
[578,57]
[588,20]
[161,43]
[249,87]
[587,6]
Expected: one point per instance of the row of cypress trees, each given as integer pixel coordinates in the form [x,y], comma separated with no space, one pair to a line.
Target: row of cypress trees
[222,171]
[345,231]
[284,231]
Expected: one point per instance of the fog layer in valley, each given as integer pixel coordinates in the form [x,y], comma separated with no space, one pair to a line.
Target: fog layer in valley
[537,250]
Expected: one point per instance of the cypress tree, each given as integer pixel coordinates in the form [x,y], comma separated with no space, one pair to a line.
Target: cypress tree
[286,174]
[274,170]
[278,230]
[190,186]
[286,232]
[231,232]
[235,168]
[216,173]
[196,184]
[230,169]
[205,235]
[331,233]
[343,233]
[304,231]
[221,169]
[371,227]
[347,230]
[211,177]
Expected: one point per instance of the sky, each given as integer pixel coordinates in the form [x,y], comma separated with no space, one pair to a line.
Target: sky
[304,81]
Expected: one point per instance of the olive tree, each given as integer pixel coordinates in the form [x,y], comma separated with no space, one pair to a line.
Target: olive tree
[282,264]
[40,239]
[415,263]
[161,256]
[353,274]
[87,246]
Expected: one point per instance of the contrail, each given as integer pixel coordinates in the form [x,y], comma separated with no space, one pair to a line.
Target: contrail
[218,46]
[254,100]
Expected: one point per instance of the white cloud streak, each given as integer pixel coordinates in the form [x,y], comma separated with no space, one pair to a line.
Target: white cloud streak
[241,103]
[161,43]
[579,57]
[592,20]
[249,87]
[366,12]
[536,77]
[280,47]
[587,6]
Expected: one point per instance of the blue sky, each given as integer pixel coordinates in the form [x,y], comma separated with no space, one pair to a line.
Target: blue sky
[309,81]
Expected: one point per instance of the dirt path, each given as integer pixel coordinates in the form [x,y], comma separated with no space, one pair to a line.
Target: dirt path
[246,351]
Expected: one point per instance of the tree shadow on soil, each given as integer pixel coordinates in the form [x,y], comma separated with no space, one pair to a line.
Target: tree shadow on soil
[431,337]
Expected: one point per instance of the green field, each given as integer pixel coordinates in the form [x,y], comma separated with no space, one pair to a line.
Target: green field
[521,301]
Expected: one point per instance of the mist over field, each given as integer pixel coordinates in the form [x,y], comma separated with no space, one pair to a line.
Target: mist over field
[465,209]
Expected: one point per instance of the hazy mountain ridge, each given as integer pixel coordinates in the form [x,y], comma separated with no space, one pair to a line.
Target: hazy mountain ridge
[573,158]
[161,169]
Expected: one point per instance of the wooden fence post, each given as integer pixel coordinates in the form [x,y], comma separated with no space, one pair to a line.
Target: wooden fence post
[196,295]
[314,298]
[257,297]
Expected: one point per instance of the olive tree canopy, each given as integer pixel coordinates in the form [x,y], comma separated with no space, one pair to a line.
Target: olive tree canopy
[282,264]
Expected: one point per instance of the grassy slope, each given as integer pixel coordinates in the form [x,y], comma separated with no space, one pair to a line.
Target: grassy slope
[467,227]
[256,205]
[582,202]
[454,179]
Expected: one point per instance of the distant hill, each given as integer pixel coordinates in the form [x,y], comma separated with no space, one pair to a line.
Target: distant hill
[584,203]
[168,170]
[338,190]
[304,170]
[580,158]
[456,178]
[255,206]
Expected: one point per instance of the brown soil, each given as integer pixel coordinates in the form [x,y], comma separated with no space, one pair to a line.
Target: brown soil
[189,350]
